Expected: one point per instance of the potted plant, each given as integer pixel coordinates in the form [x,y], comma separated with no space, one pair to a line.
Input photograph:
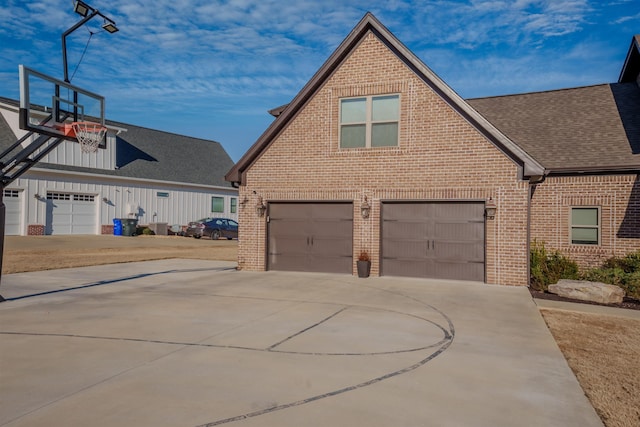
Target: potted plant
[364,264]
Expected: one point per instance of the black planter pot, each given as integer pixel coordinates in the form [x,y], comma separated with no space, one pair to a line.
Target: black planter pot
[364,268]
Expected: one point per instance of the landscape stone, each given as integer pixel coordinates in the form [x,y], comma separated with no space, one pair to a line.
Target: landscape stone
[588,291]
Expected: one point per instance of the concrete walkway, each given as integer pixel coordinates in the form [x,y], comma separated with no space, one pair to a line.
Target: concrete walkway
[196,343]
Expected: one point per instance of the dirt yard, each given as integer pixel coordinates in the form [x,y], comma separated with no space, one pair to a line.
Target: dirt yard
[602,350]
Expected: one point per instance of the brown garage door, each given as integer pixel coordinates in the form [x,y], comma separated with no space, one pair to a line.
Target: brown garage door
[434,240]
[314,237]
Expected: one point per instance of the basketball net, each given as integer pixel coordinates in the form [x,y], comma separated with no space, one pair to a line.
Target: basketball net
[89,135]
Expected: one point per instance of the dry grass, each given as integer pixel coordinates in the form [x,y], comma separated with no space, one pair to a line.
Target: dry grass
[37,253]
[604,353]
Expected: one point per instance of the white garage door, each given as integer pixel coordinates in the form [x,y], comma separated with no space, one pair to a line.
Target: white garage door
[69,213]
[12,202]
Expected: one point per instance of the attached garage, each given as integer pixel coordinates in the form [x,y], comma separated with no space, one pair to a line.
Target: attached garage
[440,240]
[315,237]
[13,212]
[69,213]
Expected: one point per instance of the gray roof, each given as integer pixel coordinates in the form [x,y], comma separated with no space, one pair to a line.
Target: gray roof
[152,154]
[579,129]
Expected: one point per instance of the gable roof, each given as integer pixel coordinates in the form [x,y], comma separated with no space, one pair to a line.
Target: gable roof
[631,67]
[144,153]
[368,24]
[585,129]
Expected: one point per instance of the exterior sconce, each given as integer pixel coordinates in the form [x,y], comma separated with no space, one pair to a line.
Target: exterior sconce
[365,209]
[104,199]
[490,208]
[36,196]
[260,207]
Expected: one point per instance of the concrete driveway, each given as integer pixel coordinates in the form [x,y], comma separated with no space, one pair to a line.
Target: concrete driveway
[196,343]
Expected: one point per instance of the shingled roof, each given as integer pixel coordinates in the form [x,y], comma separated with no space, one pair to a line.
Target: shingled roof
[152,154]
[580,129]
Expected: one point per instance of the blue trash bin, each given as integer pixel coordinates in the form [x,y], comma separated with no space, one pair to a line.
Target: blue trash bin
[117,227]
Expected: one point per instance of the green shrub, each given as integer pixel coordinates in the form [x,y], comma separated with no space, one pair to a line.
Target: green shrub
[623,272]
[548,268]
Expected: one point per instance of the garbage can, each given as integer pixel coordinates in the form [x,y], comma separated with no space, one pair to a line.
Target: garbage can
[129,226]
[117,227]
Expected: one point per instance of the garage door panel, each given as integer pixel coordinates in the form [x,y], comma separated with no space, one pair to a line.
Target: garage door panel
[331,246]
[13,212]
[433,239]
[404,212]
[405,229]
[407,268]
[409,249]
[314,237]
[71,213]
[459,251]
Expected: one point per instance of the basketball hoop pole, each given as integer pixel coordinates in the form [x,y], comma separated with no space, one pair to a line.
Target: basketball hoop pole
[109,26]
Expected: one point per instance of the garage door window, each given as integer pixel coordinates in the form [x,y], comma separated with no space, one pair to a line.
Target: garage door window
[585,226]
[370,121]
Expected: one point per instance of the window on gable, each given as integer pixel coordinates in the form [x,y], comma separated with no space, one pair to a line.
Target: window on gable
[370,121]
[585,226]
[217,204]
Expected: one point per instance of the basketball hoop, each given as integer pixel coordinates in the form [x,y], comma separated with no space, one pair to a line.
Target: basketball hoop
[89,135]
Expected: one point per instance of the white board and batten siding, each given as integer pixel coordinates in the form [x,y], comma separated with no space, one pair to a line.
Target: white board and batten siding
[79,204]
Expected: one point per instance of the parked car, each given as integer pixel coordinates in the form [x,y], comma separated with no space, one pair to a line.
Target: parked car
[214,228]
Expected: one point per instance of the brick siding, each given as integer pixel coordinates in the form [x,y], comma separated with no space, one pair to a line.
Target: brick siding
[617,196]
[440,157]
[35,230]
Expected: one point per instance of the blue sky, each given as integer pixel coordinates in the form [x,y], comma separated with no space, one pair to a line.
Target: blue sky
[212,68]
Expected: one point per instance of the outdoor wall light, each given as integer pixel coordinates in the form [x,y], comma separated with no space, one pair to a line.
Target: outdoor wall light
[80,8]
[490,208]
[260,207]
[36,196]
[104,199]
[365,209]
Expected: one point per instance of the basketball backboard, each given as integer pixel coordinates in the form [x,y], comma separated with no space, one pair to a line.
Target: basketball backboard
[49,106]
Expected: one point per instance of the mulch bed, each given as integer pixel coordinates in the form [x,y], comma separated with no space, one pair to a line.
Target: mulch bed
[629,303]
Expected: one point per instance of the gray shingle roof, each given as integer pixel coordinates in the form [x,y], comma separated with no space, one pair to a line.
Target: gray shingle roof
[585,128]
[152,154]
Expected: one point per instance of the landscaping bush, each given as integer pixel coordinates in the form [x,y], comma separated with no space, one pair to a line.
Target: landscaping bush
[623,272]
[144,230]
[548,268]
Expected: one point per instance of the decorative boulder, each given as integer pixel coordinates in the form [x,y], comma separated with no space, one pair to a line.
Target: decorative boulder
[588,291]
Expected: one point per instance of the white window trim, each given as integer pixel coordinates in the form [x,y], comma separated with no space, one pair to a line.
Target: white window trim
[598,227]
[368,120]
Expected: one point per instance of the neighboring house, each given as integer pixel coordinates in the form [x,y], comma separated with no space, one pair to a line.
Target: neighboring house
[377,154]
[160,179]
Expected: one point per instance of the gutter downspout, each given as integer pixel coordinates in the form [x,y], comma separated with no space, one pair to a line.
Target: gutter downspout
[533,183]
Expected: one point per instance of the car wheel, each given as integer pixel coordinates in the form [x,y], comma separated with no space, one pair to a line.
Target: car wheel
[195,236]
[215,235]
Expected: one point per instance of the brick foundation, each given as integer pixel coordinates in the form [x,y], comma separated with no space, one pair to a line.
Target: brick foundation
[35,230]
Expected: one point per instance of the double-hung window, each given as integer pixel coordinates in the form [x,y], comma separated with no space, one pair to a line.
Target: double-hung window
[585,226]
[370,121]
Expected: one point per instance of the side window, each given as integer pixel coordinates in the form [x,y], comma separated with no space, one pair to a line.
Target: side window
[234,205]
[369,121]
[585,226]
[217,204]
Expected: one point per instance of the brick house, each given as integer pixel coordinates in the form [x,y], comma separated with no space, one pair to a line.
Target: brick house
[377,154]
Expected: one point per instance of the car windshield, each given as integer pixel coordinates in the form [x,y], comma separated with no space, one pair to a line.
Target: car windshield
[233,223]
